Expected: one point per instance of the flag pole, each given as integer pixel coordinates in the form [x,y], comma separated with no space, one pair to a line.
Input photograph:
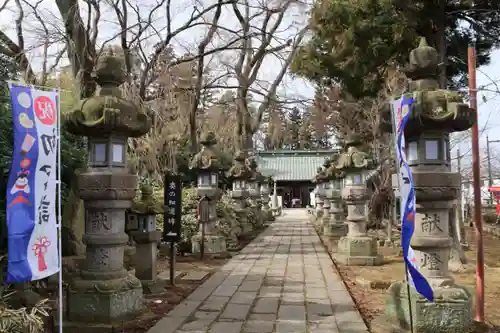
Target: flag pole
[476,170]
[408,289]
[59,210]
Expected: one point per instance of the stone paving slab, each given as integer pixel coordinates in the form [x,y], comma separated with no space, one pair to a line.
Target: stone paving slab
[282,282]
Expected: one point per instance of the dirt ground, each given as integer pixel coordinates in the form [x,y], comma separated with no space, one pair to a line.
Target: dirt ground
[157,306]
[371,302]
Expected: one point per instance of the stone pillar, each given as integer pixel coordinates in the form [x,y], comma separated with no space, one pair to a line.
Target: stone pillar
[319,203]
[207,164]
[239,174]
[105,292]
[325,219]
[433,115]
[357,248]
[266,210]
[146,239]
[254,190]
[274,199]
[336,227]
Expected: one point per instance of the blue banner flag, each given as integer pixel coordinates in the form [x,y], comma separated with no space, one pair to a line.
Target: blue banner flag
[402,109]
[31,187]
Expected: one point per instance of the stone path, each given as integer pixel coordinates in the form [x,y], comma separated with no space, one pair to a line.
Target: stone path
[283,282]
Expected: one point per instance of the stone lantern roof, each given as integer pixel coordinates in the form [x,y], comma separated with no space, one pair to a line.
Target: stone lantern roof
[108,113]
[255,176]
[333,171]
[433,108]
[239,169]
[208,159]
[354,159]
[147,203]
[321,176]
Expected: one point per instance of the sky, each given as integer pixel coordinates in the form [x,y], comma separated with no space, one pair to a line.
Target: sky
[488,77]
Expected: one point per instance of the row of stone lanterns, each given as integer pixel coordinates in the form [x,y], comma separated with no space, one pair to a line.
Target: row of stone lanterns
[343,179]
[105,292]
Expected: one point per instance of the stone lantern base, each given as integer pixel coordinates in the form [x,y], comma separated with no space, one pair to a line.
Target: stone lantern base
[214,244]
[104,301]
[358,251]
[334,230]
[450,312]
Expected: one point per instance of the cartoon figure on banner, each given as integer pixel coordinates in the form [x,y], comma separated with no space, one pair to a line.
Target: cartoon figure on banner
[40,248]
[21,185]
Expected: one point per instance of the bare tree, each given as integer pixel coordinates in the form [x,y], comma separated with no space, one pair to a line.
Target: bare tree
[259,26]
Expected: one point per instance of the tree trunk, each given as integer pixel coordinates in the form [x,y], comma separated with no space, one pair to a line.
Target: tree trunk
[457,258]
[73,223]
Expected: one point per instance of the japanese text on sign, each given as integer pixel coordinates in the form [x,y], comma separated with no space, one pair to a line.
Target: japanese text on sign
[172,202]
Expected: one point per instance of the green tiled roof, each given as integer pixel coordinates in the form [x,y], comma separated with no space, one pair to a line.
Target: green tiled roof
[291,165]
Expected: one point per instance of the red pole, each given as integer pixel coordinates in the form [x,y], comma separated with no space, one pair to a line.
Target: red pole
[478,218]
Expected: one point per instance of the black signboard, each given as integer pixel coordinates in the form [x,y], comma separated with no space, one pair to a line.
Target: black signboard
[172,201]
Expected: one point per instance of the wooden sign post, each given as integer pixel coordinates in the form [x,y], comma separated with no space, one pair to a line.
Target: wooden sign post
[172,217]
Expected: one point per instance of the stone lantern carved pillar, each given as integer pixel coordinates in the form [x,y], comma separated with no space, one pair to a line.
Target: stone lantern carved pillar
[239,174]
[335,227]
[146,238]
[357,248]
[208,167]
[254,189]
[105,292]
[434,115]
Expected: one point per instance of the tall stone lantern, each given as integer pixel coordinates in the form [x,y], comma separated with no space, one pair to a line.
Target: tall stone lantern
[265,190]
[335,227]
[208,168]
[146,238]
[254,188]
[239,174]
[435,114]
[105,292]
[325,193]
[357,248]
[319,180]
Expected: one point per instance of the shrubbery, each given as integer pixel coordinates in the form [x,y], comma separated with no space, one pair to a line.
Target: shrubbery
[228,221]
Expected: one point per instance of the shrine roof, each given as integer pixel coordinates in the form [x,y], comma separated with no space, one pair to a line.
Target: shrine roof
[292,165]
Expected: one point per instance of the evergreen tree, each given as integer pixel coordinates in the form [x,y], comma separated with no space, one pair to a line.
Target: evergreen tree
[294,124]
[7,72]
[355,41]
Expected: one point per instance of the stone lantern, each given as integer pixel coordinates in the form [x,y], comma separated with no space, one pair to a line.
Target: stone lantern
[357,248]
[335,227]
[325,193]
[319,192]
[105,292]
[434,115]
[239,174]
[146,238]
[265,190]
[254,182]
[208,168]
